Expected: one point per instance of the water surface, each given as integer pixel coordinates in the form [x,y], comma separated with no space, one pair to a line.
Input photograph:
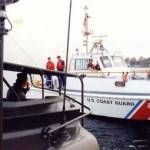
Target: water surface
[119,134]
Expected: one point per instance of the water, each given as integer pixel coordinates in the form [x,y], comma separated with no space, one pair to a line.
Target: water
[119,134]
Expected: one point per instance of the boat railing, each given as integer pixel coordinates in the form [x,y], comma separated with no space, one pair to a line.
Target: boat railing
[42,73]
[134,74]
[60,91]
[47,131]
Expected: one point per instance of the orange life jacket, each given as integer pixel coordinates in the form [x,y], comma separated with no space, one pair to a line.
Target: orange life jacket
[60,65]
[50,65]
[125,77]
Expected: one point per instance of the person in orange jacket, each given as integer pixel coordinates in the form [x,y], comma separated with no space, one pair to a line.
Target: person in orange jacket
[61,67]
[50,66]
[125,77]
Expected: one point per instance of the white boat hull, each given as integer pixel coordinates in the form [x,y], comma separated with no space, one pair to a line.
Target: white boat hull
[116,107]
[105,99]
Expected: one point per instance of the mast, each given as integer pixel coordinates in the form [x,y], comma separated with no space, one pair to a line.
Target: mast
[3,31]
[86,32]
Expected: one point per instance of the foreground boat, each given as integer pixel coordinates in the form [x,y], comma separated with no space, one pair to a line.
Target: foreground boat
[112,89]
[45,122]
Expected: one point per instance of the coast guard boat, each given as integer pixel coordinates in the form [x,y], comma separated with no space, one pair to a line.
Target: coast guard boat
[44,121]
[112,89]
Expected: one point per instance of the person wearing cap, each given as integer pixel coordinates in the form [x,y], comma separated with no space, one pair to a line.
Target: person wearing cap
[18,91]
[61,67]
[50,66]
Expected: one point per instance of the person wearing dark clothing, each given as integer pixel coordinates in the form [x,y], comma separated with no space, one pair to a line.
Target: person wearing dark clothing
[18,91]
[97,67]
[50,66]
[90,64]
[61,67]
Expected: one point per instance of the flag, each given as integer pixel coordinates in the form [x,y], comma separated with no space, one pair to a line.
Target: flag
[85,23]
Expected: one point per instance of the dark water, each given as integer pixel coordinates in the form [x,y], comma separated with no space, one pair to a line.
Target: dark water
[119,134]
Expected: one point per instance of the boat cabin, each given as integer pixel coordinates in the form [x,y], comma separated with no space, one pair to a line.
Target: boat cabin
[98,62]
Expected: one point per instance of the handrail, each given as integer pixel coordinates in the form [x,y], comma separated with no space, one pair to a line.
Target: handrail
[68,123]
[82,94]
[49,132]
[46,132]
[66,96]
[99,71]
[70,75]
[132,74]
[82,91]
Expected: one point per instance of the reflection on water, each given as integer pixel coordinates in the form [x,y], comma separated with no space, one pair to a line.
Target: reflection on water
[120,134]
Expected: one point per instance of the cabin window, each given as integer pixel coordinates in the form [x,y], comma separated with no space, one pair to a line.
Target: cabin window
[105,61]
[81,64]
[117,61]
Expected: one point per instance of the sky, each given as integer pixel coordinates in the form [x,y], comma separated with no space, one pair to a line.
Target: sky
[40,28]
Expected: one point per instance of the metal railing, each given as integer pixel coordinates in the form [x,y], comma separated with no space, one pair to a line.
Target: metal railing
[42,72]
[48,132]
[60,90]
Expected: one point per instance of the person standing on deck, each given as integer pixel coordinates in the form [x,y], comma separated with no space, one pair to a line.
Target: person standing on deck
[125,77]
[50,66]
[61,67]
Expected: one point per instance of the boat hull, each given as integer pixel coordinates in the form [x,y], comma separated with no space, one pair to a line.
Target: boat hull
[116,106]
[32,140]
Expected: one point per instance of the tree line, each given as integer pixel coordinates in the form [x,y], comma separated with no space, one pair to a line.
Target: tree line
[141,61]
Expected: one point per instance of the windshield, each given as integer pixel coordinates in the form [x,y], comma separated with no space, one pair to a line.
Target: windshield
[105,61]
[117,60]
[81,64]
